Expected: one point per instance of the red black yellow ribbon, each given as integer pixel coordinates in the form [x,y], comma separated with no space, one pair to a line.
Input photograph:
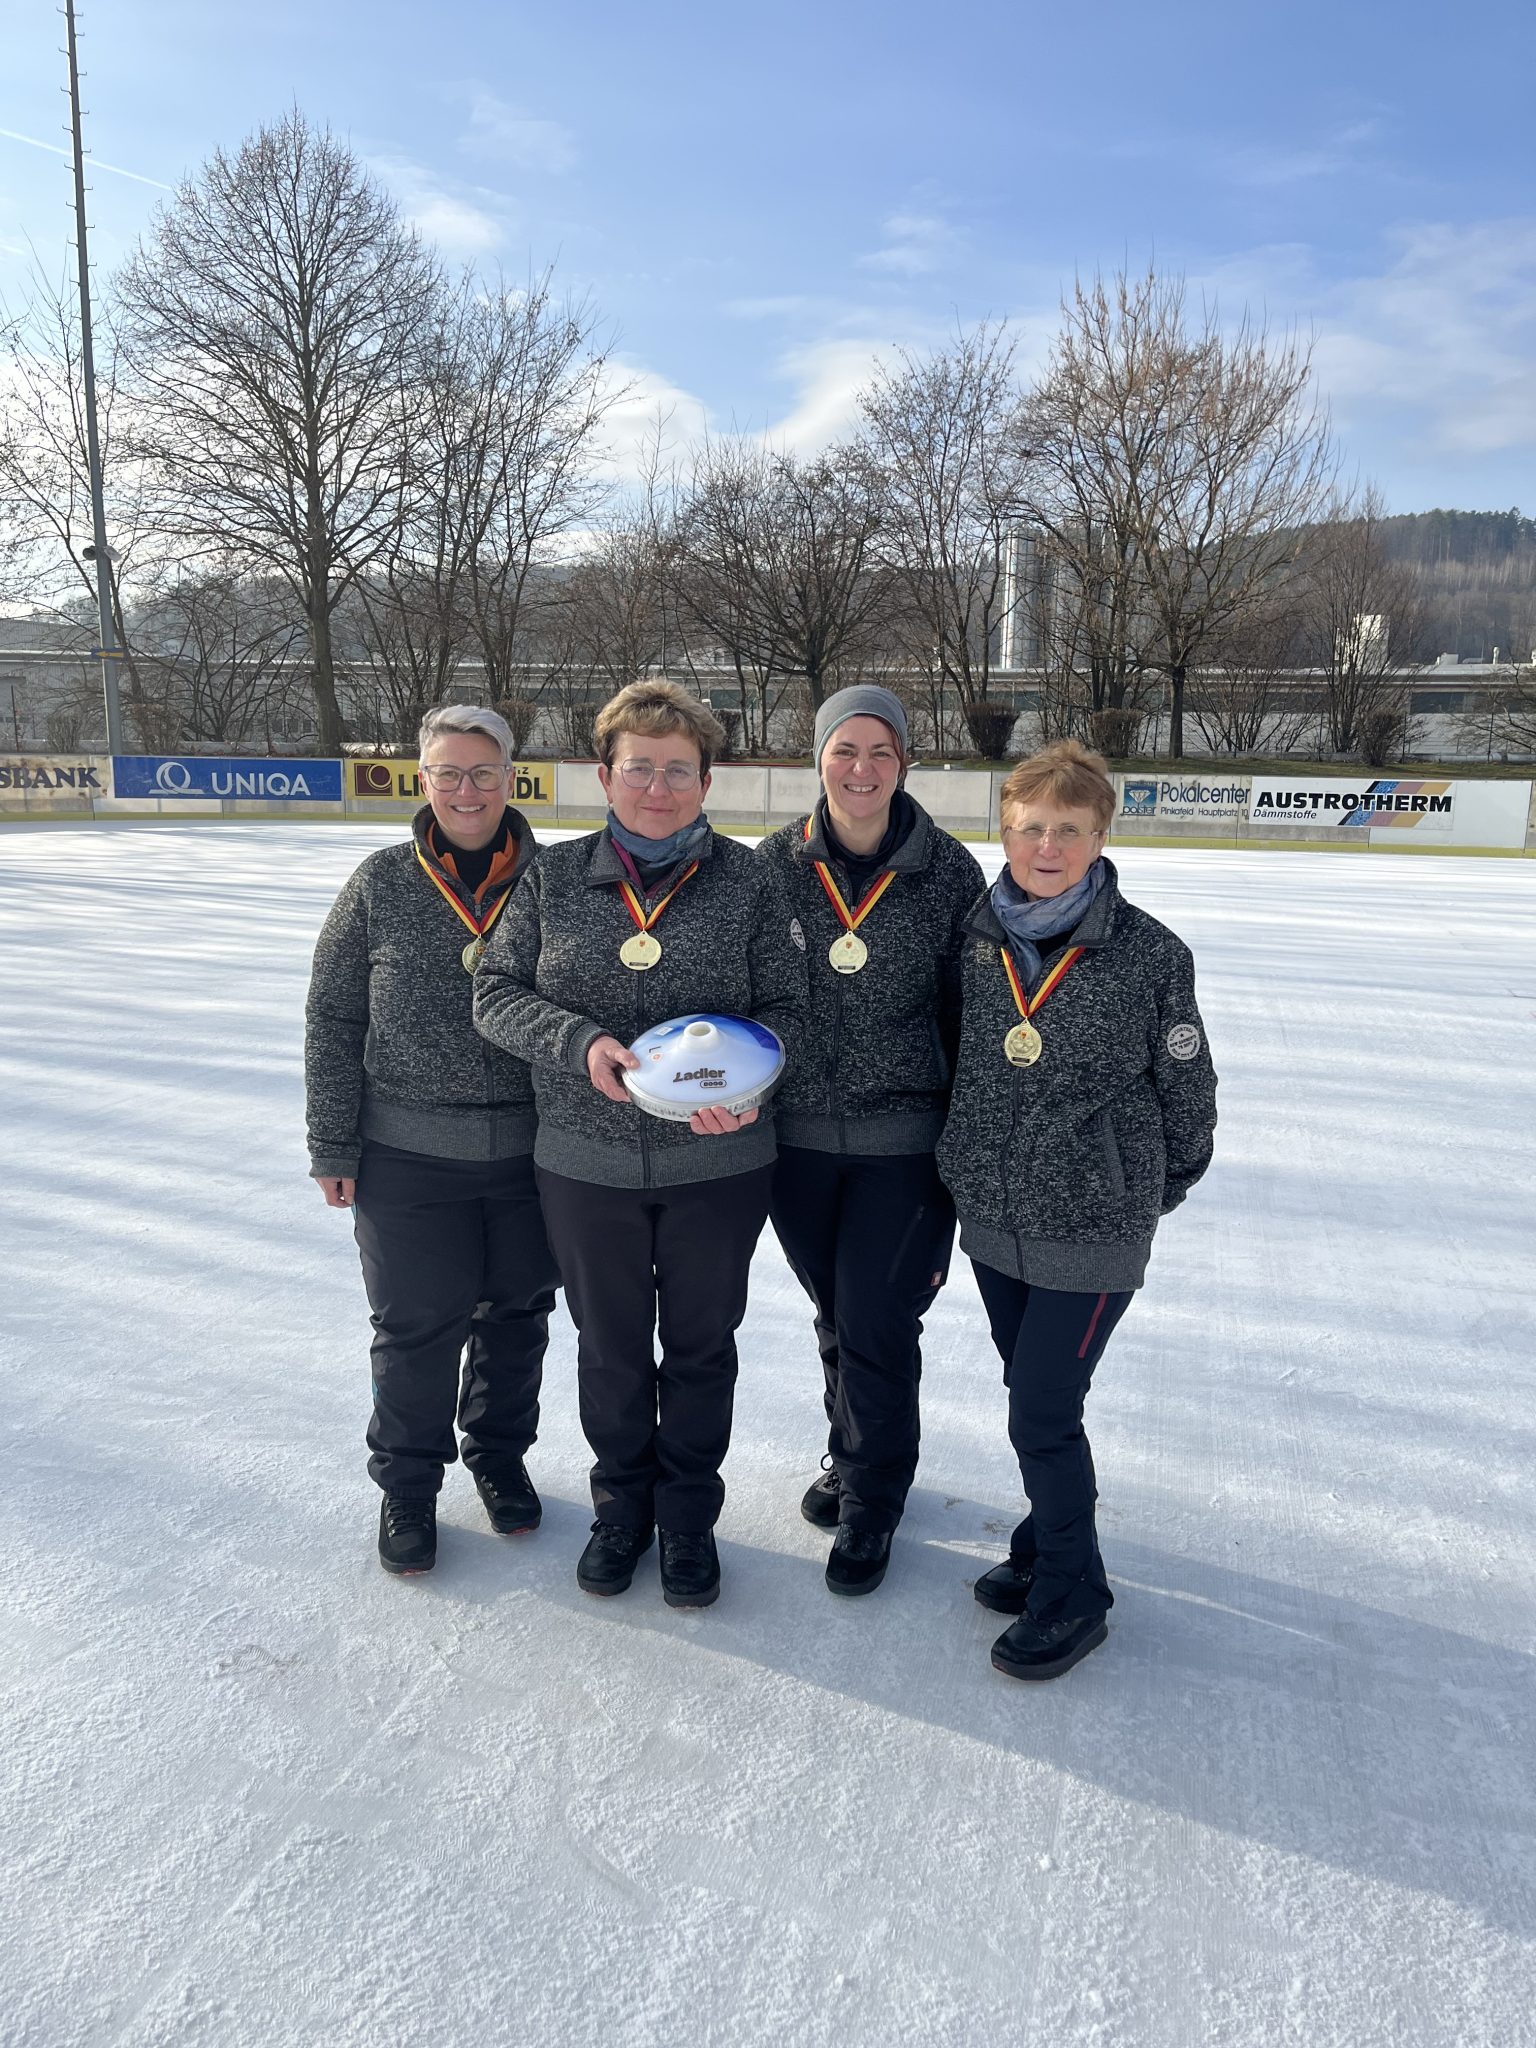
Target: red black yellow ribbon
[643,918]
[478,925]
[851,919]
[1027,1005]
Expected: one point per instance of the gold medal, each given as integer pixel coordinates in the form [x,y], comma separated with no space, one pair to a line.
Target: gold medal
[848,953]
[640,951]
[472,955]
[1022,1045]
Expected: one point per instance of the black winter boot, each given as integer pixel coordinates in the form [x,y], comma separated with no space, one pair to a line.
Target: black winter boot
[858,1561]
[607,1565]
[1005,1589]
[822,1499]
[407,1534]
[1034,1648]
[510,1500]
[690,1569]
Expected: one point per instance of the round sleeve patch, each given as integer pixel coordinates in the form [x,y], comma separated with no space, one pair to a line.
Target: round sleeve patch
[796,932]
[1183,1041]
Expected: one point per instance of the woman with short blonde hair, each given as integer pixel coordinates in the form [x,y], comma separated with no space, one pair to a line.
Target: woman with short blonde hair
[1082,1113]
[653,1223]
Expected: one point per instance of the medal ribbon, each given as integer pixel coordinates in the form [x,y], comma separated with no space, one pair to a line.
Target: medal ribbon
[644,919]
[478,925]
[1027,1005]
[851,919]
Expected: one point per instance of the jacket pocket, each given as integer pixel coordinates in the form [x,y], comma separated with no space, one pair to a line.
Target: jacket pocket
[1114,1166]
[940,1061]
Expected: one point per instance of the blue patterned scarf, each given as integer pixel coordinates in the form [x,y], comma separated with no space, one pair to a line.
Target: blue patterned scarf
[1028,920]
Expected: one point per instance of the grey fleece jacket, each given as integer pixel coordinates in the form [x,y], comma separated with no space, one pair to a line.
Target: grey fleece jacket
[1061,1170]
[390,1046]
[881,1049]
[552,981]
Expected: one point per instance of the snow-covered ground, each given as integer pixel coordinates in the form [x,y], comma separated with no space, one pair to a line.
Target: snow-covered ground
[256,1792]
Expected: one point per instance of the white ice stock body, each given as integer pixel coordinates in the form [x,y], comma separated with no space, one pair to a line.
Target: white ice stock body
[691,1062]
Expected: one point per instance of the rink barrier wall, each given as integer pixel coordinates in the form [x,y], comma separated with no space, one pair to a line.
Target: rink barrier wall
[1309,805]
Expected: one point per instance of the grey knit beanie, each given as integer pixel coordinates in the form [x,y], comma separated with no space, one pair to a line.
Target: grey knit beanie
[860,700]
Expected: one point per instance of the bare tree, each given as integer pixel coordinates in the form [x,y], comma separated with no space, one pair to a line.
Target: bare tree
[1245,698]
[218,659]
[945,432]
[1176,467]
[46,535]
[1364,625]
[775,561]
[275,314]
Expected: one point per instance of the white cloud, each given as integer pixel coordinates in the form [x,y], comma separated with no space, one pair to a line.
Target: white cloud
[829,375]
[914,244]
[459,221]
[650,401]
[510,136]
[1447,331]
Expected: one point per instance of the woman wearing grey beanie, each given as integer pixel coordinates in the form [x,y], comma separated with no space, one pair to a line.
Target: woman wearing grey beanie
[865,1222]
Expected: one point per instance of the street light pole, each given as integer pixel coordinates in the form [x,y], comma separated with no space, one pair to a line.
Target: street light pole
[100,552]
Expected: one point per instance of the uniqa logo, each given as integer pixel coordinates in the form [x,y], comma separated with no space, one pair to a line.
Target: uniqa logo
[174,777]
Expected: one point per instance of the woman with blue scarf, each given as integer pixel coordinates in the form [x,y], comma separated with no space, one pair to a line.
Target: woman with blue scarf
[652,1224]
[1082,1112]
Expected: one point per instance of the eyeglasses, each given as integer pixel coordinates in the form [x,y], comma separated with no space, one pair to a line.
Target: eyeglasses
[677,775]
[441,777]
[1036,835]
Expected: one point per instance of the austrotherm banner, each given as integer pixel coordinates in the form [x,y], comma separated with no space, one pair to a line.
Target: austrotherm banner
[375,779]
[204,776]
[1424,807]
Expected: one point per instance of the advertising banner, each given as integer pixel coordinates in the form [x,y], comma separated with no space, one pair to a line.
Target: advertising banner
[199,776]
[1427,808]
[376,779]
[1184,799]
[55,782]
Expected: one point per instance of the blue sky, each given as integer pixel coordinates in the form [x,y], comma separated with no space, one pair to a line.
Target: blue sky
[760,200]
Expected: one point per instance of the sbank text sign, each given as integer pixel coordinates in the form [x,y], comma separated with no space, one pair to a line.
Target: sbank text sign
[204,777]
[1427,808]
[377,780]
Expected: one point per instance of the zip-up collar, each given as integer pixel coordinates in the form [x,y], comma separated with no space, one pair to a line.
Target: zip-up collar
[605,869]
[522,842]
[983,922]
[910,858]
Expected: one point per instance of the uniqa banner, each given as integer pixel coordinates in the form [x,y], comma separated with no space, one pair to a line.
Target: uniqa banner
[204,776]
[1184,799]
[381,780]
[67,781]
[1426,807]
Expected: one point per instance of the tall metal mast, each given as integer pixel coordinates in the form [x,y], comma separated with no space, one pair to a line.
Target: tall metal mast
[100,551]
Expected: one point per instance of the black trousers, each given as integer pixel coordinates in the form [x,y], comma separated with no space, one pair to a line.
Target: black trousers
[461,1281]
[642,1262]
[869,1240]
[1050,1343]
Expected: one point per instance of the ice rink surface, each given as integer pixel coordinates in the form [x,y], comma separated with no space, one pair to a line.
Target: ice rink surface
[259,1794]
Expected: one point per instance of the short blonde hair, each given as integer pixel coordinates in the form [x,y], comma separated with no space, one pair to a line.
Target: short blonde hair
[654,708]
[1066,773]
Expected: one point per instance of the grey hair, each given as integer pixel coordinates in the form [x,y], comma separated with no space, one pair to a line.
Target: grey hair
[446,718]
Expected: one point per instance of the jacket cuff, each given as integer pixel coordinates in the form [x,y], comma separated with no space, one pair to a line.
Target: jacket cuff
[334,1166]
[579,1044]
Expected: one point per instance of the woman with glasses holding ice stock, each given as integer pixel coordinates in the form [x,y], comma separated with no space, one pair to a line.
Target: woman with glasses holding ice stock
[1082,1112]
[865,1221]
[426,1134]
[653,1221]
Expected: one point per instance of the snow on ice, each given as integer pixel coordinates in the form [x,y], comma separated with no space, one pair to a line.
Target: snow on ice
[258,1793]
